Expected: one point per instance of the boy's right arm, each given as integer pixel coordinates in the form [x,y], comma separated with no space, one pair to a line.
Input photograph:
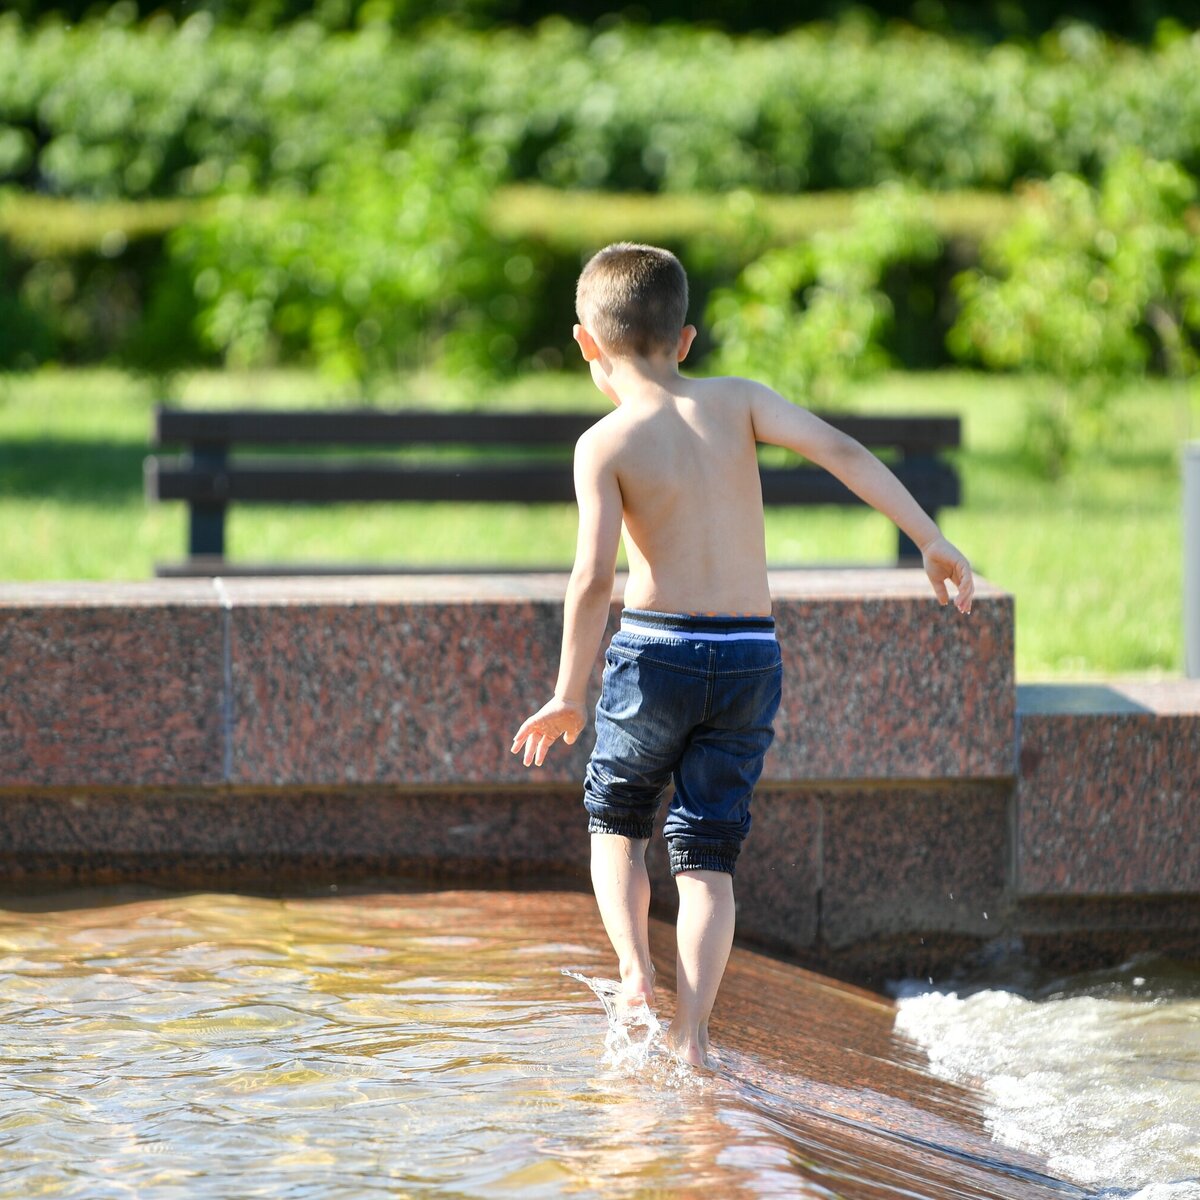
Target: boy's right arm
[588,600]
[778,422]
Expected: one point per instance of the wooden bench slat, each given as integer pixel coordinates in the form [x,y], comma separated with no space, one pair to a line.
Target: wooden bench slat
[369,426]
[416,427]
[932,483]
[339,482]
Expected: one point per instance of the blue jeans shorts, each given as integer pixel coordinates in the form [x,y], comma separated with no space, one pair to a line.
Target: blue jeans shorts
[691,700]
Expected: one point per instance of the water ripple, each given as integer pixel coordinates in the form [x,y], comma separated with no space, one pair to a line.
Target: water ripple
[206,1045]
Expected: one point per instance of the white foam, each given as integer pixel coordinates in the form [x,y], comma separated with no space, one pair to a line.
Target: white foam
[1106,1090]
[1184,1189]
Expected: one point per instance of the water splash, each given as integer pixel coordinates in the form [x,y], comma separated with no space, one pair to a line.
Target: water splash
[634,1032]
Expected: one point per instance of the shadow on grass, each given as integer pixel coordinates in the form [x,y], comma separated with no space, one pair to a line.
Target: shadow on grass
[73,469]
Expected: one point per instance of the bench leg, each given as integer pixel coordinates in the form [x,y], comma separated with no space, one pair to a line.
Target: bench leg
[907,554]
[206,529]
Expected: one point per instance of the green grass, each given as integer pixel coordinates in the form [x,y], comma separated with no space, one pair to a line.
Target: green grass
[1093,559]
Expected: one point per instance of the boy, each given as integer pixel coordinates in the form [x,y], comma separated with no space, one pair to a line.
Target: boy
[692,679]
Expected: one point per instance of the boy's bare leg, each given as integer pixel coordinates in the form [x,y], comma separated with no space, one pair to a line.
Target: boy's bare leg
[704,937]
[622,888]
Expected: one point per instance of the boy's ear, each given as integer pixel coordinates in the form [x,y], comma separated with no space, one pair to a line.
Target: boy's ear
[686,337]
[587,343]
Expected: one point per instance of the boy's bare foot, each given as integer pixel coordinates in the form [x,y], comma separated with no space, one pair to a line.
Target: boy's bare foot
[686,1046]
[637,989]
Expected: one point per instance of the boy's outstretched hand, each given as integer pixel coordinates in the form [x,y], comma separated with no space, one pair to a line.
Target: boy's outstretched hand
[944,561]
[558,718]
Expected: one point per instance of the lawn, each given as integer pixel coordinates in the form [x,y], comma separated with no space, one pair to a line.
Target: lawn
[1093,558]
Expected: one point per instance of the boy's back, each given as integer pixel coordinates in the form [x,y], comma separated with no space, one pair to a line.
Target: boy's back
[691,500]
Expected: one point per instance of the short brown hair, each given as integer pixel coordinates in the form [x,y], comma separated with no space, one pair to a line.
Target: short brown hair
[633,298]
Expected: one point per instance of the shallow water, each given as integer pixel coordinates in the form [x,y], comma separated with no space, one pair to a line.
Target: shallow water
[404,1044]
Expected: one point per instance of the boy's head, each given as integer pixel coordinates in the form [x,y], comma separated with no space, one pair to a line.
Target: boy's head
[633,299]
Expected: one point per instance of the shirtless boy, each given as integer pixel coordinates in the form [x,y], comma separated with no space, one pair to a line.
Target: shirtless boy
[692,679]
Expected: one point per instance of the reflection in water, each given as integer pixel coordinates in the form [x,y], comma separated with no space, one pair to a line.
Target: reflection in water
[404,1044]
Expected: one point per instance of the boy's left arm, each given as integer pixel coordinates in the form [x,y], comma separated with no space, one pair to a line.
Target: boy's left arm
[585,611]
[781,423]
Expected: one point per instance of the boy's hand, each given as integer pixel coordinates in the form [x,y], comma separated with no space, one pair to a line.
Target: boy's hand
[558,718]
[943,561]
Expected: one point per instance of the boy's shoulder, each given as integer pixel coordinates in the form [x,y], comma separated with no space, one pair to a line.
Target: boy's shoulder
[734,391]
[626,424]
[604,430]
[733,388]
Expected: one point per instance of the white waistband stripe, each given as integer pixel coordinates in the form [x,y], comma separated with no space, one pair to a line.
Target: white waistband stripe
[687,635]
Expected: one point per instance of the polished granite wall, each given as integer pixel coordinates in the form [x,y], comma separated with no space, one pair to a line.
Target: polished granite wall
[1108,789]
[414,680]
[196,731]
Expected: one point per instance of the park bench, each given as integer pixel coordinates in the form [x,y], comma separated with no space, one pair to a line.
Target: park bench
[498,457]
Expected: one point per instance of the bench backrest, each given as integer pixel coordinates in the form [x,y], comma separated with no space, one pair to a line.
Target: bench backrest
[911,435]
[208,479]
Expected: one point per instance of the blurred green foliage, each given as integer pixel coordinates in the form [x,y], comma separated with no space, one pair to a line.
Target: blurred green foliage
[388,264]
[85,282]
[1088,288]
[369,200]
[80,241]
[809,317]
[106,109]
[54,226]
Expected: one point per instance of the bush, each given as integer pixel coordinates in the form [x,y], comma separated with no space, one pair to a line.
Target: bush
[26,336]
[388,265]
[716,235]
[104,109]
[113,299]
[810,317]
[1089,288]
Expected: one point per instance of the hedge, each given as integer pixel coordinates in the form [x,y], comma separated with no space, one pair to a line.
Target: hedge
[109,110]
[84,281]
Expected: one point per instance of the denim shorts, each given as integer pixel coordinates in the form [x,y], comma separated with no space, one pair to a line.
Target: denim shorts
[689,700]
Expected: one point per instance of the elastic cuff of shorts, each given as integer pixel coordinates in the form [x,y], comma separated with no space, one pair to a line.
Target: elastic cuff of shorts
[702,858]
[638,828]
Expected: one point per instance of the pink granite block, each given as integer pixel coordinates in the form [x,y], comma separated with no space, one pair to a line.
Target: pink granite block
[917,858]
[403,693]
[1108,796]
[416,680]
[398,679]
[424,679]
[778,879]
[881,682]
[110,683]
[493,834]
